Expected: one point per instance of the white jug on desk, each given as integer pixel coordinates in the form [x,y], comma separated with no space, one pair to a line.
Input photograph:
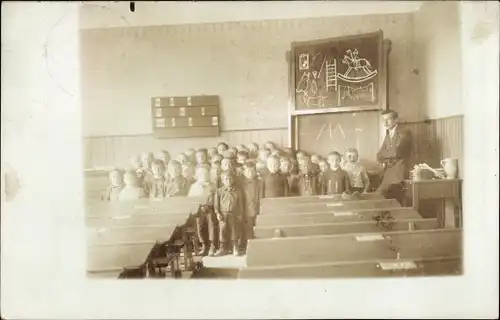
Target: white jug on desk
[450,166]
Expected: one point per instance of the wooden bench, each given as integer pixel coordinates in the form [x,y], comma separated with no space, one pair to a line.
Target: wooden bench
[436,266]
[318,199]
[354,247]
[304,230]
[282,208]
[322,217]
[143,206]
[122,234]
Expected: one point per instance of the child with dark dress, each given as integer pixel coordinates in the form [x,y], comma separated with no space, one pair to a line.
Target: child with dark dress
[251,194]
[335,180]
[229,209]
[205,218]
[177,185]
[159,184]
[116,185]
[274,184]
[293,179]
[309,184]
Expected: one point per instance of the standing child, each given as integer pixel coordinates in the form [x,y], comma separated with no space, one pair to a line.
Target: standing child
[182,158]
[358,176]
[201,157]
[253,150]
[264,154]
[242,157]
[191,154]
[132,190]
[261,167]
[323,168]
[205,218]
[251,195]
[212,153]
[293,180]
[188,171]
[136,164]
[215,171]
[335,180]
[309,184]
[177,185]
[158,185]
[116,185]
[270,145]
[274,184]
[228,205]
[146,161]
[164,156]
[221,148]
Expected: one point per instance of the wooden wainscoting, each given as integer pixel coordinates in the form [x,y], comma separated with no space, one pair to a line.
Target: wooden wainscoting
[433,141]
[437,139]
[116,150]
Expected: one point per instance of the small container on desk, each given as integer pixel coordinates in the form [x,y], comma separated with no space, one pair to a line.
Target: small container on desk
[446,190]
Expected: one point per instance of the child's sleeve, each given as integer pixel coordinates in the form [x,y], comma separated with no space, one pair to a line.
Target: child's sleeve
[217,201]
[152,192]
[262,189]
[241,204]
[321,185]
[347,183]
[287,188]
[366,179]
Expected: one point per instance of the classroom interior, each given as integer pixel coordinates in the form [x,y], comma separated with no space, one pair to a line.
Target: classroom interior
[243,57]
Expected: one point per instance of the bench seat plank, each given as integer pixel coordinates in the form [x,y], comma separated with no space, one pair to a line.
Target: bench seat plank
[438,266]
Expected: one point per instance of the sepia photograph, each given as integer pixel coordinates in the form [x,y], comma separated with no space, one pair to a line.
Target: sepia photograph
[291,148]
[247,142]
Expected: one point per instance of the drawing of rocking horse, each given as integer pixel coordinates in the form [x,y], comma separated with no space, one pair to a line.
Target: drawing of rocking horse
[359,69]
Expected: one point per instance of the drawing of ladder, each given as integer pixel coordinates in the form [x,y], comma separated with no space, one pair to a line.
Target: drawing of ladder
[331,74]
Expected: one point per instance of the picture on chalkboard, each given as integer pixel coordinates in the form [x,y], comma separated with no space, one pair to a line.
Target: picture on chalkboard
[304,61]
[338,73]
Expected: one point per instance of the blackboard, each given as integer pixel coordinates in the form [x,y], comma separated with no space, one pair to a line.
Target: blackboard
[323,133]
[338,72]
[185,117]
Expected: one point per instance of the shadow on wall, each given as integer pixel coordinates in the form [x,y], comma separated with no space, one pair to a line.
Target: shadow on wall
[12,183]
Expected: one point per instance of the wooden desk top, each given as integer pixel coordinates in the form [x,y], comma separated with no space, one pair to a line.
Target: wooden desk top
[432,181]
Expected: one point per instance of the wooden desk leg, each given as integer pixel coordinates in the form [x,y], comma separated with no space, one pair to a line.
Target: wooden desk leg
[449,213]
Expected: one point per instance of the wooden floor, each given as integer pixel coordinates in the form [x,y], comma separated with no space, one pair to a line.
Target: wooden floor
[225,267]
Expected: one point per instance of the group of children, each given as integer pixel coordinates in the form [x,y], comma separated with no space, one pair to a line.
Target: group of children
[233,180]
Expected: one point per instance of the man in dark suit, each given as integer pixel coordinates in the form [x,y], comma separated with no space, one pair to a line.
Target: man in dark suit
[394,156]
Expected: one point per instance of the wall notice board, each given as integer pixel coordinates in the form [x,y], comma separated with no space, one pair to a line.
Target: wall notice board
[339,73]
[185,117]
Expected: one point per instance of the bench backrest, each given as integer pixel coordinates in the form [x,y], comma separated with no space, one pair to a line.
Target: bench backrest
[306,230]
[264,220]
[281,208]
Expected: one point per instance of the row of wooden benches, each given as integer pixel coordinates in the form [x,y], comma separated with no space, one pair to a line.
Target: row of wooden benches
[318,237]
